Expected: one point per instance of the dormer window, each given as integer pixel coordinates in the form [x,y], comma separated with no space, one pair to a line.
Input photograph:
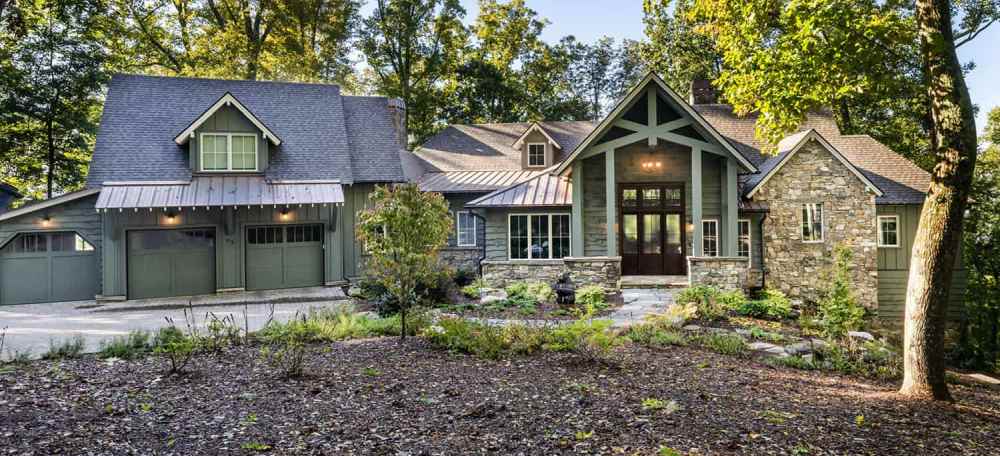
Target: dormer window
[536,154]
[228,152]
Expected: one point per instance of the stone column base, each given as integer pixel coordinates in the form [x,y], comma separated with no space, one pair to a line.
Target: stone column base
[725,273]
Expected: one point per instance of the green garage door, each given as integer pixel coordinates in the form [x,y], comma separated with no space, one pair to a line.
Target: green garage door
[284,256]
[47,267]
[164,263]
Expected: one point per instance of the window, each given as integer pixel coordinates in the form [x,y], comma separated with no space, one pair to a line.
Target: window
[888,231]
[465,226]
[710,237]
[539,236]
[812,222]
[536,154]
[69,242]
[743,247]
[228,152]
[47,242]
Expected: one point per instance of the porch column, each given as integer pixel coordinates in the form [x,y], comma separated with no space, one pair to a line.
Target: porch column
[696,242]
[732,206]
[576,233]
[610,199]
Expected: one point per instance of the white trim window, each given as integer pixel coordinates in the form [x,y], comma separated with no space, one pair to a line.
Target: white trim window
[812,222]
[743,247]
[710,238]
[536,155]
[888,231]
[465,229]
[228,152]
[538,236]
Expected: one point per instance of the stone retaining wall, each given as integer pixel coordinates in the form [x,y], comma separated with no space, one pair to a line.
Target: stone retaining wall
[726,273]
[604,271]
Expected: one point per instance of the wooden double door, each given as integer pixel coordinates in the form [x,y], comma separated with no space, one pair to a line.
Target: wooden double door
[652,228]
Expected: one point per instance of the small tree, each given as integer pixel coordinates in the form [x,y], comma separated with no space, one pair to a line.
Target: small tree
[839,309]
[402,231]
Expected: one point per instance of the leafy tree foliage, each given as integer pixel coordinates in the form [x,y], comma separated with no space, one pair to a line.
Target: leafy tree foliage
[52,67]
[602,72]
[402,230]
[674,49]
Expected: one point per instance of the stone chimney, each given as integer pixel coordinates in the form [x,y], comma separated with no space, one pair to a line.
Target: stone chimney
[702,92]
[397,108]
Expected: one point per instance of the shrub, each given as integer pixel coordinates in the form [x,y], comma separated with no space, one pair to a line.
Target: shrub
[870,359]
[484,341]
[654,336]
[726,344]
[591,340]
[731,300]
[794,362]
[175,347]
[706,298]
[132,346]
[537,291]
[771,304]
[591,297]
[674,316]
[474,289]
[67,349]
[463,278]
[839,311]
[285,348]
[220,333]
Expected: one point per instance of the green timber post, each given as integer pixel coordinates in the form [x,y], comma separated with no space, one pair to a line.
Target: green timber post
[732,204]
[696,241]
[612,214]
[577,227]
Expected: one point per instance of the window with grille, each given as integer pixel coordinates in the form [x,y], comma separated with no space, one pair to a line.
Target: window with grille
[710,237]
[228,152]
[465,229]
[536,154]
[888,231]
[539,236]
[743,247]
[812,222]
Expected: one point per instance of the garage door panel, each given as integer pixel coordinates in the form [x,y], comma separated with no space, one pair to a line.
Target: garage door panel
[167,263]
[149,275]
[80,273]
[284,257]
[304,265]
[25,280]
[194,272]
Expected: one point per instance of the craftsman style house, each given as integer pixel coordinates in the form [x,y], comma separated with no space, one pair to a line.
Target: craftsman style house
[201,186]
[669,187]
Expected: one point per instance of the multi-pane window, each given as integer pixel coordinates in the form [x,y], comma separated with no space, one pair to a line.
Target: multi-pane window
[539,236]
[710,237]
[465,229]
[888,231]
[228,152]
[743,247]
[536,154]
[47,242]
[812,222]
[284,234]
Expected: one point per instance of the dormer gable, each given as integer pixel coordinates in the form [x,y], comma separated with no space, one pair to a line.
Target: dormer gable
[227,100]
[538,148]
[228,138]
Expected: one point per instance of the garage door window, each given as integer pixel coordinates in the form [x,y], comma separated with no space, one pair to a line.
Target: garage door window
[47,242]
[280,235]
[173,239]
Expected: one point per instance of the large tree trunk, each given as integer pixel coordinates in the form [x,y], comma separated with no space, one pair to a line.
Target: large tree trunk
[953,141]
[51,144]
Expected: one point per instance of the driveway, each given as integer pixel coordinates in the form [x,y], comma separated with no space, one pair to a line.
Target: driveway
[30,327]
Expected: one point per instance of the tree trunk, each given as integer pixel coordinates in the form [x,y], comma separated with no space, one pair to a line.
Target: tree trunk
[953,142]
[50,173]
[402,323]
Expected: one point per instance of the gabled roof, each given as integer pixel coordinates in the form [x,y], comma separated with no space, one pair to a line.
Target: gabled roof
[483,147]
[535,127]
[226,100]
[633,94]
[788,147]
[543,190]
[10,190]
[323,134]
[45,204]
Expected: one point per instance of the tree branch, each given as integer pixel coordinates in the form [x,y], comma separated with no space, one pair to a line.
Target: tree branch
[971,34]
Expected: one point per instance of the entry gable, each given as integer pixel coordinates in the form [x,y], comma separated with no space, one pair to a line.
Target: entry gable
[652,111]
[789,146]
[226,100]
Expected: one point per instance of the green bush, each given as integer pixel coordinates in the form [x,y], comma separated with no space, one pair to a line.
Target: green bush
[135,345]
[653,335]
[484,341]
[537,291]
[674,316]
[474,289]
[839,311]
[285,350]
[706,298]
[591,296]
[726,344]
[591,340]
[870,359]
[731,300]
[771,304]
[175,347]
[67,349]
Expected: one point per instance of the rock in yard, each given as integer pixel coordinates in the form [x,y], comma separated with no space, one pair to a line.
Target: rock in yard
[354,291]
[799,348]
[770,349]
[692,328]
[490,299]
[861,335]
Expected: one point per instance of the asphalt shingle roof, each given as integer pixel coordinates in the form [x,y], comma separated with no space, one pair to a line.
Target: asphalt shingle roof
[323,133]
[485,147]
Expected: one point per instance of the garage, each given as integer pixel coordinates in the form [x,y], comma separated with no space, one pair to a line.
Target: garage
[165,263]
[47,267]
[284,256]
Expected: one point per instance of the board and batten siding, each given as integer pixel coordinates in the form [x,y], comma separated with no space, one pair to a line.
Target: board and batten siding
[894,265]
[228,120]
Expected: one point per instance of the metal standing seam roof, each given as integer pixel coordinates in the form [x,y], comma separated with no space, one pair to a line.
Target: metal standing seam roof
[542,190]
[221,191]
[473,181]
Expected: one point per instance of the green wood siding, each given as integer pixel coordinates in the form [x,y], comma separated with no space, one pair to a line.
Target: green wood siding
[228,120]
[894,265]
[496,229]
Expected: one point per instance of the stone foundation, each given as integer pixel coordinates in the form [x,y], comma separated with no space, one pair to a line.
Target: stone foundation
[461,258]
[603,271]
[726,273]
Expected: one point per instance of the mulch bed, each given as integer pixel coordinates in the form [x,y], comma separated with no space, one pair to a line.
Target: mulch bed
[381,397]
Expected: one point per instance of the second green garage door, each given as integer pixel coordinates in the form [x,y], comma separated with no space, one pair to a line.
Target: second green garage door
[164,263]
[284,257]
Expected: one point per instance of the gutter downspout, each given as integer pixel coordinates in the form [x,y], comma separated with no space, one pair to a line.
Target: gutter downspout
[482,255]
[763,267]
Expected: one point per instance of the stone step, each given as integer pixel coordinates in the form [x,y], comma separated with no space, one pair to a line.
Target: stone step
[653,282]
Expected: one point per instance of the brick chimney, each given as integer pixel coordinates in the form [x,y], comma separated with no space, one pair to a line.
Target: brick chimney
[702,92]
[397,108]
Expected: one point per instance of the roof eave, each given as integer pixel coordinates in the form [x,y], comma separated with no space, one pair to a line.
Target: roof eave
[226,100]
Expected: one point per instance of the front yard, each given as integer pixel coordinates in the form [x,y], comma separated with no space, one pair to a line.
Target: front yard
[378,396]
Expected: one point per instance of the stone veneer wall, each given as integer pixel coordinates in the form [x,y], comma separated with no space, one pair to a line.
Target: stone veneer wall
[604,271]
[800,269]
[726,273]
[461,258]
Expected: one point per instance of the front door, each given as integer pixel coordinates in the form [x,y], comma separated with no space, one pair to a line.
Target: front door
[652,236]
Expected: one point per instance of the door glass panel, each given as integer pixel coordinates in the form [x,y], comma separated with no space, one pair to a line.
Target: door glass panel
[630,197]
[674,233]
[630,236]
[651,197]
[672,197]
[651,234]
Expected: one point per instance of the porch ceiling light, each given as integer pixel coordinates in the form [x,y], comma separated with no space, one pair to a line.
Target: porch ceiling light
[651,165]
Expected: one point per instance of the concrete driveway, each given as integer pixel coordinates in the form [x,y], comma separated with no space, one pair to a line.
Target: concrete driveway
[30,327]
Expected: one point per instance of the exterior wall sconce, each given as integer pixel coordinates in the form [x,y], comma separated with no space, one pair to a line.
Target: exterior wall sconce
[284,215]
[651,165]
[171,218]
[46,221]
